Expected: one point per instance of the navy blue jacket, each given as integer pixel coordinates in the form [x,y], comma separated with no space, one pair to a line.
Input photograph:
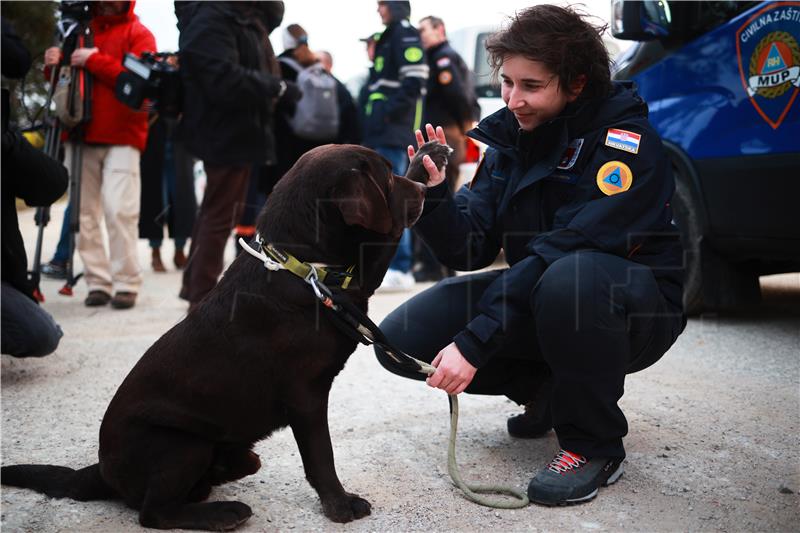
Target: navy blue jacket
[540,195]
[450,99]
[393,107]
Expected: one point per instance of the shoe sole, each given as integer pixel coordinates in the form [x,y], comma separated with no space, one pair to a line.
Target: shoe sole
[613,478]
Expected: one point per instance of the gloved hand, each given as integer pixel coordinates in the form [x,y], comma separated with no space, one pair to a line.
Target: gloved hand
[292,93]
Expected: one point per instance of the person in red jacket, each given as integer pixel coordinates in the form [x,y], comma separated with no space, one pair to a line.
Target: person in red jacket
[112,142]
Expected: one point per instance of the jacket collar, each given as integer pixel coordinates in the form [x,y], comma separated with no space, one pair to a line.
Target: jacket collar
[501,131]
[435,48]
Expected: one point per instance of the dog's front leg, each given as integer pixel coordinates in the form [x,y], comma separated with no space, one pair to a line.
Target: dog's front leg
[313,438]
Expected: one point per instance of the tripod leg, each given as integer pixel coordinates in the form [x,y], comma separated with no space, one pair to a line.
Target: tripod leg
[42,218]
[76,168]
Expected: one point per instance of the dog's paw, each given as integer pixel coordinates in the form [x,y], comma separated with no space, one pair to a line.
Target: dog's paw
[438,152]
[347,508]
[230,515]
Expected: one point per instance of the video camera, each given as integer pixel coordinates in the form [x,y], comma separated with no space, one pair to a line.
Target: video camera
[150,77]
[75,10]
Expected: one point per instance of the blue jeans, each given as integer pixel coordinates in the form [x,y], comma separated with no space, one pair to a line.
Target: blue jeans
[62,248]
[403,258]
[27,329]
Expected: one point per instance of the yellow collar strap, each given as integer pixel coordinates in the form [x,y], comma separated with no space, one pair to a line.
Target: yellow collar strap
[331,278]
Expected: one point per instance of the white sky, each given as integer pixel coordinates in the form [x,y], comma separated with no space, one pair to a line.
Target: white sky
[336,25]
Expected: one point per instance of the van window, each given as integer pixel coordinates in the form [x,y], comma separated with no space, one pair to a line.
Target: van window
[484,86]
[693,19]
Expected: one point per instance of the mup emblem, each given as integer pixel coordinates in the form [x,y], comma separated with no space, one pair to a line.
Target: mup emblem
[769,59]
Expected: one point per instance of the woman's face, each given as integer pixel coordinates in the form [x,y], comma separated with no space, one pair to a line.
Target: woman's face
[532,92]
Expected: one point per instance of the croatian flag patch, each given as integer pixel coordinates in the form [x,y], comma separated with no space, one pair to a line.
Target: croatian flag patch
[623,140]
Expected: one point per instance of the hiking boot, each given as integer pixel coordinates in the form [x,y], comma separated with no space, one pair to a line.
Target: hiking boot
[155,261]
[179,259]
[55,270]
[97,298]
[536,420]
[572,478]
[123,300]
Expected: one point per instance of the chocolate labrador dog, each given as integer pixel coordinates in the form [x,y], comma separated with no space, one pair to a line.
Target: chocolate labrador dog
[259,353]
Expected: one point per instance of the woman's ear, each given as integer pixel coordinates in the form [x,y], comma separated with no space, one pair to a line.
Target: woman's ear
[576,87]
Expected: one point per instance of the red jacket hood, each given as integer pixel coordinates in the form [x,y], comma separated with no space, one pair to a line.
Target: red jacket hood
[108,20]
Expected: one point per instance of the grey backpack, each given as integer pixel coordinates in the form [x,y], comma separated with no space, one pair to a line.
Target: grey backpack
[316,116]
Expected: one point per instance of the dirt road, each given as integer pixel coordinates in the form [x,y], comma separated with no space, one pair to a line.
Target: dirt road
[714,441]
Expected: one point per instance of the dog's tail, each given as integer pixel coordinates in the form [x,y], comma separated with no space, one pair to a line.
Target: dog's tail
[59,481]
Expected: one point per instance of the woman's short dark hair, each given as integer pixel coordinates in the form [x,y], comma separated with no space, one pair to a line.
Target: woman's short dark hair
[562,40]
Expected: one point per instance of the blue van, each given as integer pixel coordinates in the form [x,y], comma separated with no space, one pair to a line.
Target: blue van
[722,81]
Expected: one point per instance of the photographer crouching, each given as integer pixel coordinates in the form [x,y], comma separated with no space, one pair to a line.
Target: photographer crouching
[27,173]
[111,142]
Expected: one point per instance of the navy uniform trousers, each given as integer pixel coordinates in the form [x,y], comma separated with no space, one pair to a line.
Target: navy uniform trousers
[595,317]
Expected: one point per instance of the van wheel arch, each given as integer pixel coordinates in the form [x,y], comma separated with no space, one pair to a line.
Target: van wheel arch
[711,283]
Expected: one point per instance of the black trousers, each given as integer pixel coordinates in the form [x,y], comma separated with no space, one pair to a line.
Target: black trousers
[594,318]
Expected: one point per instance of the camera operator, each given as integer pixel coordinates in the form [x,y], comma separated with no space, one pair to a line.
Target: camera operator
[27,329]
[231,82]
[112,141]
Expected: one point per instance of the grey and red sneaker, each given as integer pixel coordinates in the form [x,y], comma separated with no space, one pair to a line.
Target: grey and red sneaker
[572,478]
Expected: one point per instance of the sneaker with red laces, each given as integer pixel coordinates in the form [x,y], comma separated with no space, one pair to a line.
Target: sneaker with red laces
[572,478]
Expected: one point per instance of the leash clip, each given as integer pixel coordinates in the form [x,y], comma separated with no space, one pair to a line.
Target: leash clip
[312,278]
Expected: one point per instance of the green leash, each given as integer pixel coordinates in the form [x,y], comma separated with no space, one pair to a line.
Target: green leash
[473,493]
[354,323]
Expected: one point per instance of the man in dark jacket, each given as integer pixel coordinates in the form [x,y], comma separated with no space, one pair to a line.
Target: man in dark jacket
[349,127]
[296,56]
[393,109]
[450,100]
[231,82]
[27,329]
[449,103]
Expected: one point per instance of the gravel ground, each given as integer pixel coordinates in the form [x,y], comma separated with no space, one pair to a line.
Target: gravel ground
[713,442]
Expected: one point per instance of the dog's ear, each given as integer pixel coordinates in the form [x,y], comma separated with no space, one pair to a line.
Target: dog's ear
[362,201]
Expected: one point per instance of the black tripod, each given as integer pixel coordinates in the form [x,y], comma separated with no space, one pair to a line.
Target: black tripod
[72,33]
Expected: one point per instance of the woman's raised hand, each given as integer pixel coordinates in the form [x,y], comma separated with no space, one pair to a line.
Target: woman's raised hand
[435,175]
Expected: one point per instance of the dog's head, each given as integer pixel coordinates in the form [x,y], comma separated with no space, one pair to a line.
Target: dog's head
[369,195]
[337,196]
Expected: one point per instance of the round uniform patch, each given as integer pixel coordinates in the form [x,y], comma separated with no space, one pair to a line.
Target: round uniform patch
[614,177]
[445,77]
[413,54]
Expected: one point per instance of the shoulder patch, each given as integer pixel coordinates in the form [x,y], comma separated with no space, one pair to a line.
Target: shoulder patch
[570,155]
[405,23]
[623,140]
[614,177]
[443,62]
[445,77]
[413,54]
